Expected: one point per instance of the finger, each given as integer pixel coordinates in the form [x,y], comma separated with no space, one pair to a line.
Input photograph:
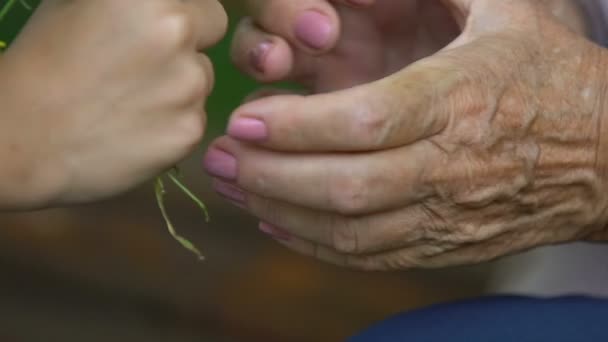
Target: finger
[207,66]
[349,184]
[209,20]
[396,260]
[187,83]
[194,86]
[408,106]
[310,25]
[270,58]
[349,235]
[265,57]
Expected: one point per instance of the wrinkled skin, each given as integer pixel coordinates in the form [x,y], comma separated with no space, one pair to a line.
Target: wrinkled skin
[492,145]
[99,96]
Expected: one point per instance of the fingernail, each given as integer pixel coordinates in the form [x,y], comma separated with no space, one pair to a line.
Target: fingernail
[257,56]
[220,164]
[248,129]
[231,192]
[313,29]
[275,232]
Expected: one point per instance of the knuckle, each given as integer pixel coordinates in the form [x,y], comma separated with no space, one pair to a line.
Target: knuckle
[472,232]
[371,128]
[174,28]
[261,180]
[345,239]
[348,195]
[217,25]
[194,84]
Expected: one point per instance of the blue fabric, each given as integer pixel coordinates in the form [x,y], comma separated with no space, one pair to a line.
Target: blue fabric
[498,319]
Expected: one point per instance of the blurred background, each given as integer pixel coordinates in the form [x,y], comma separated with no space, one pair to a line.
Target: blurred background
[111,272]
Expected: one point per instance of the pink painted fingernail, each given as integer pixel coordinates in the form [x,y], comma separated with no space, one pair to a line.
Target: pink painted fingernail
[220,164]
[275,232]
[257,56]
[248,129]
[313,29]
[231,192]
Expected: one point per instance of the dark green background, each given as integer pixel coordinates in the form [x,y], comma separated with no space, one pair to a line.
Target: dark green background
[231,85]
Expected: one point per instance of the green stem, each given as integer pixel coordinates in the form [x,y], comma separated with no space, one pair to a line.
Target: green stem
[160,191]
[190,194]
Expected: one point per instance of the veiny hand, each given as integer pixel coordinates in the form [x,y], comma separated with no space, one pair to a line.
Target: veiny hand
[101,95]
[493,145]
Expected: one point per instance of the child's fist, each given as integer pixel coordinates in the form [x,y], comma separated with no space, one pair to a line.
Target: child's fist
[100,95]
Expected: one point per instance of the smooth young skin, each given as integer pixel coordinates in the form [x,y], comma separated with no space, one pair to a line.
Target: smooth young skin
[98,96]
[489,146]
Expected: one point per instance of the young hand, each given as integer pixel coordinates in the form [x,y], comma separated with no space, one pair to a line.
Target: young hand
[101,95]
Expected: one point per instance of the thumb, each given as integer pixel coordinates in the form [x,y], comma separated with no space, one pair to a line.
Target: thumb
[394,111]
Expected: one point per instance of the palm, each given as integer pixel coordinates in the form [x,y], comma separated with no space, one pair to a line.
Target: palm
[380,41]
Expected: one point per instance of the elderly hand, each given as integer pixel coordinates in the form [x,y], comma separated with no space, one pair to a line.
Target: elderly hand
[493,145]
[101,95]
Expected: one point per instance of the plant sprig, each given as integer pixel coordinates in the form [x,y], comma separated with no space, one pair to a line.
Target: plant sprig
[160,191]
[159,184]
